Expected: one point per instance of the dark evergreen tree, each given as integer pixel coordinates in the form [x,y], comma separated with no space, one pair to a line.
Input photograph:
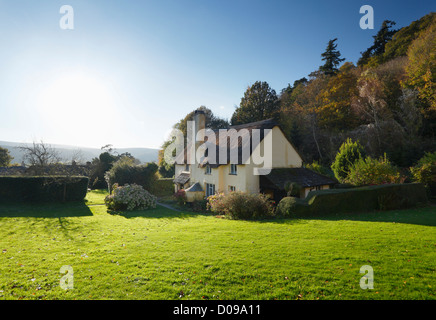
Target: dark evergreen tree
[332,59]
[383,36]
[260,102]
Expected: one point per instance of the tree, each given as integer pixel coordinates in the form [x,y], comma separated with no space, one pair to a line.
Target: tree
[260,102]
[332,59]
[421,69]
[335,112]
[403,38]
[383,36]
[5,157]
[348,154]
[100,166]
[212,121]
[298,115]
[370,104]
[40,157]
[167,170]
[289,89]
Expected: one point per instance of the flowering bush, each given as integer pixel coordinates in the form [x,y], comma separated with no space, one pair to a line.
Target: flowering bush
[130,197]
[371,171]
[241,205]
[215,203]
[180,196]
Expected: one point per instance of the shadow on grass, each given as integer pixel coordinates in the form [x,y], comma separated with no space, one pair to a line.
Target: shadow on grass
[425,216]
[45,210]
[158,212]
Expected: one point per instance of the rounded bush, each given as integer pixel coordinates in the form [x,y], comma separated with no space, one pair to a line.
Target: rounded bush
[371,171]
[130,197]
[291,207]
[348,154]
[425,172]
[242,205]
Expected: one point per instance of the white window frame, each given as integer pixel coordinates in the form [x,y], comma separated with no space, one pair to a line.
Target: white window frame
[232,188]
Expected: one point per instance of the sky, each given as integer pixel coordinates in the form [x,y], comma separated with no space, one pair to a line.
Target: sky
[129,70]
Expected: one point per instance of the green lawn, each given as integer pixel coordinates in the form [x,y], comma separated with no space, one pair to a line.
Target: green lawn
[163,254]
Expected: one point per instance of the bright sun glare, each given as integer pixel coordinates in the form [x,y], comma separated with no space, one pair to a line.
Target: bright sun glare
[76,101]
[74,97]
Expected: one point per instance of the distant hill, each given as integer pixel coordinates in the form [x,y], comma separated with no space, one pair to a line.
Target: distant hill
[86,154]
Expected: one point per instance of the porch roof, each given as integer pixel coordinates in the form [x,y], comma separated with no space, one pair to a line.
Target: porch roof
[182,178]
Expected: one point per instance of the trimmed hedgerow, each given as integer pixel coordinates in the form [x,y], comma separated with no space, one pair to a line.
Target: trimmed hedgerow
[340,201]
[163,187]
[43,189]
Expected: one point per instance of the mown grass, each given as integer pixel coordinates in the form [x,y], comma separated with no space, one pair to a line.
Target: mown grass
[164,254]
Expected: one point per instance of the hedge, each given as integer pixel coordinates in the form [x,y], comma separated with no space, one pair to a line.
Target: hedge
[124,172]
[163,187]
[339,201]
[43,189]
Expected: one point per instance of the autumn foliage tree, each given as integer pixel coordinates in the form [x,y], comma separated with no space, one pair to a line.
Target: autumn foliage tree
[421,68]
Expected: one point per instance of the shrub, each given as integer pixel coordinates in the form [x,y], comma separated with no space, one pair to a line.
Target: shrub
[130,197]
[292,207]
[319,168]
[180,197]
[125,171]
[43,189]
[199,205]
[292,189]
[425,171]
[371,171]
[348,154]
[163,187]
[241,205]
[362,199]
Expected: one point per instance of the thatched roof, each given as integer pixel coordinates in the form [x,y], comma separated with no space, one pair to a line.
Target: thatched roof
[237,140]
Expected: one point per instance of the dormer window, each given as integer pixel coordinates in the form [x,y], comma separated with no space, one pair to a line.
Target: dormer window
[234,169]
[208,170]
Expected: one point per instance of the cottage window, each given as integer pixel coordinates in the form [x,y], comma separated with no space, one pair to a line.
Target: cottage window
[234,169]
[232,188]
[187,167]
[208,170]
[210,189]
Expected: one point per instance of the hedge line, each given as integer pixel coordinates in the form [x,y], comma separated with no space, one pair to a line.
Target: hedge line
[163,187]
[43,189]
[339,201]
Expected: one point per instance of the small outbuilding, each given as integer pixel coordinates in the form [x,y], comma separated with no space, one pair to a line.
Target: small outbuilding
[275,183]
[194,192]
